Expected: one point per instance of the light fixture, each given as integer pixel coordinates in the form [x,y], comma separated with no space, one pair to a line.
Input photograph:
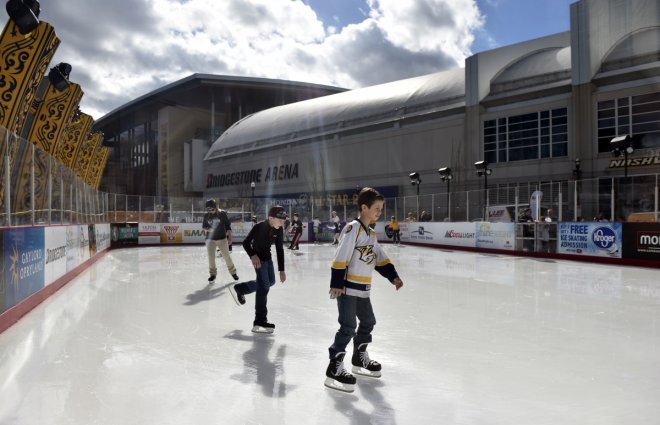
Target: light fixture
[446,176]
[59,76]
[445,173]
[622,145]
[577,172]
[24,13]
[415,180]
[482,168]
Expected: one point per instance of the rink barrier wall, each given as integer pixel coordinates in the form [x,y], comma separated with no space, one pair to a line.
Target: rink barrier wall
[599,242]
[37,261]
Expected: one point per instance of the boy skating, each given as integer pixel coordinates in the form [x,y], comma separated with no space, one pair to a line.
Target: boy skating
[357,255]
[257,245]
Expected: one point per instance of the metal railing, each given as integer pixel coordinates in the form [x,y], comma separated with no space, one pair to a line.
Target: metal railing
[37,189]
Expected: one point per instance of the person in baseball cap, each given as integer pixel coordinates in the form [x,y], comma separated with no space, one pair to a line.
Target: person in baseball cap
[277,211]
[257,245]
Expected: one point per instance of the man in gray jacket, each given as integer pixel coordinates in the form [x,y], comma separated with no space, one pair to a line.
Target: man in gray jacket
[218,235]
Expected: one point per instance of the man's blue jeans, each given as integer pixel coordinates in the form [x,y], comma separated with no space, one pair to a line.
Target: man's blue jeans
[352,308]
[265,279]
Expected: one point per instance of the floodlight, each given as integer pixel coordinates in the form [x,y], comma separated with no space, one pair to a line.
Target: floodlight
[59,76]
[24,13]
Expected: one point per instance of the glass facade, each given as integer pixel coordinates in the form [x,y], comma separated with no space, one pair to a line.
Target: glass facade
[535,135]
[634,115]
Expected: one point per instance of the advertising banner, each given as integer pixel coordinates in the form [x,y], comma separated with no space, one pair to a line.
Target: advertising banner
[495,235]
[102,237]
[124,234]
[148,233]
[453,234]
[23,263]
[595,239]
[641,241]
[171,233]
[55,261]
[499,214]
[193,232]
[72,248]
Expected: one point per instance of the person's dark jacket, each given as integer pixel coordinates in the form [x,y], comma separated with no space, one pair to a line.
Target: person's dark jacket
[261,238]
[218,224]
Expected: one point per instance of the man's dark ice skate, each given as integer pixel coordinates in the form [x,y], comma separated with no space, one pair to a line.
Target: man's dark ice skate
[337,377]
[263,328]
[238,297]
[211,279]
[363,365]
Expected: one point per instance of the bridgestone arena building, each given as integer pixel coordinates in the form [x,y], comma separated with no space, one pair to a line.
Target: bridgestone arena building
[539,112]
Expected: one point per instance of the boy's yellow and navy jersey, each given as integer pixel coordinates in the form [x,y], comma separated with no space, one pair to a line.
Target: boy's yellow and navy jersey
[357,255]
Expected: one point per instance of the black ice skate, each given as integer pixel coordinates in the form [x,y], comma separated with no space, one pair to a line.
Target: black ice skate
[235,276]
[211,279]
[238,297]
[263,328]
[363,365]
[337,377]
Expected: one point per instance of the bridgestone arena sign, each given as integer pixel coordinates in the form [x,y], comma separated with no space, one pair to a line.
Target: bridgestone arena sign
[274,173]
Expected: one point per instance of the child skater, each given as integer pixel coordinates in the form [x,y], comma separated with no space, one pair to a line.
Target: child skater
[357,255]
[336,222]
[396,231]
[257,245]
[296,230]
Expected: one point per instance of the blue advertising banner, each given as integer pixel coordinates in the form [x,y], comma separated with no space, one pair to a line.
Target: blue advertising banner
[23,263]
[595,239]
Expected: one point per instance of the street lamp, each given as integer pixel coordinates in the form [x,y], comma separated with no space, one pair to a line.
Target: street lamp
[252,185]
[415,180]
[577,173]
[25,14]
[483,170]
[59,76]
[445,175]
[622,144]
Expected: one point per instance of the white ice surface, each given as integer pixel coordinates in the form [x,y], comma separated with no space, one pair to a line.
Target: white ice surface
[140,338]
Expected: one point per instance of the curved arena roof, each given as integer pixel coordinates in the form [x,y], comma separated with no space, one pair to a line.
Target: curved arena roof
[339,112]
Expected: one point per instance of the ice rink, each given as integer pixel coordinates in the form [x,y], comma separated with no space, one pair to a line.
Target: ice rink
[141,338]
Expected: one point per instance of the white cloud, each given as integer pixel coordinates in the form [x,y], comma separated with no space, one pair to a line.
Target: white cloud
[122,49]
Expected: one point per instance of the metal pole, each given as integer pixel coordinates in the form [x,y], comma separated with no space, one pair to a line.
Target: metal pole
[561,203]
[448,202]
[7,179]
[467,205]
[656,197]
[50,189]
[612,201]
[517,203]
[32,203]
[62,195]
[575,202]
[417,202]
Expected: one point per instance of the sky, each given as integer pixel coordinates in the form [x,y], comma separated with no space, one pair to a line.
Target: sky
[122,49]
